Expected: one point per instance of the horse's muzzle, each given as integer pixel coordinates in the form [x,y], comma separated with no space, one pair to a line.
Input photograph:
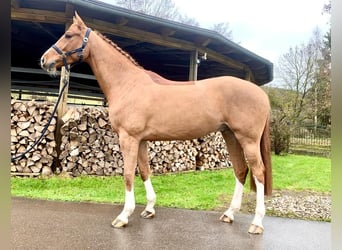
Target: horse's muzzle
[49,67]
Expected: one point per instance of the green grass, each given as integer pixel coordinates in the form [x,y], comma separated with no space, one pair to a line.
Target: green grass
[299,172]
[197,190]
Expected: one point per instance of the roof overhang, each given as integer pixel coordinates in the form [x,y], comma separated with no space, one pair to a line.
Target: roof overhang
[158,44]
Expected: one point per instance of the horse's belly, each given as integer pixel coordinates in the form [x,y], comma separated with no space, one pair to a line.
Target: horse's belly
[182,126]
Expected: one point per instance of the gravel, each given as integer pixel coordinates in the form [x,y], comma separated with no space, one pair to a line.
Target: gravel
[290,204]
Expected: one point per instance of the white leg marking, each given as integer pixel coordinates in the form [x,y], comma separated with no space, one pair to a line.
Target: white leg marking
[150,196]
[235,204]
[129,206]
[260,204]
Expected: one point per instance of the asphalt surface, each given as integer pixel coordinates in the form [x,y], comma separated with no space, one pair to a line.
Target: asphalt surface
[38,224]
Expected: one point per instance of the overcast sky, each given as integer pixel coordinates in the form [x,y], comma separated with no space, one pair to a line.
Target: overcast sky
[266,27]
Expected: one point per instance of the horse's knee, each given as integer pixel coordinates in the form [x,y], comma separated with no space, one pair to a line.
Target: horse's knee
[129,180]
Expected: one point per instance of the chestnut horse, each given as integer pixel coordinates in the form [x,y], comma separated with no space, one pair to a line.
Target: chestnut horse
[144,106]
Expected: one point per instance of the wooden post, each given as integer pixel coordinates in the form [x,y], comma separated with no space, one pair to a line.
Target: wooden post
[62,107]
[61,110]
[193,66]
[249,75]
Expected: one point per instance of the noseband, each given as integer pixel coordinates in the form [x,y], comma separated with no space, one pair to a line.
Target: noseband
[79,51]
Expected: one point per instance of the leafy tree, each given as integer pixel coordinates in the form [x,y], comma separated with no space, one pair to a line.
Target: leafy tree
[298,69]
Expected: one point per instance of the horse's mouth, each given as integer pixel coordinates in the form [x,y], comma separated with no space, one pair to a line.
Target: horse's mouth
[50,68]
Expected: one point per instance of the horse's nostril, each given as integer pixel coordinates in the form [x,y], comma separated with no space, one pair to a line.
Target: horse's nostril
[42,61]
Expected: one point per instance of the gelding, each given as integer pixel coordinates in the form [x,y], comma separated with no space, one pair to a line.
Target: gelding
[144,106]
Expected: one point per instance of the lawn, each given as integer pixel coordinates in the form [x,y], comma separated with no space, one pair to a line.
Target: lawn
[194,190]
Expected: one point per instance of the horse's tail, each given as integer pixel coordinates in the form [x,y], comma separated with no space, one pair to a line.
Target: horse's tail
[265,150]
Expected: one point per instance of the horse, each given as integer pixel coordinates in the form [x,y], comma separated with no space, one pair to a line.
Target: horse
[143,106]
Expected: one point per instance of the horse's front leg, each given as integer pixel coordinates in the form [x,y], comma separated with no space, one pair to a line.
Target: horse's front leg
[129,148]
[145,174]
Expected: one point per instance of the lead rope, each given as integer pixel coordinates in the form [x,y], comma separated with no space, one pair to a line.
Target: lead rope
[66,82]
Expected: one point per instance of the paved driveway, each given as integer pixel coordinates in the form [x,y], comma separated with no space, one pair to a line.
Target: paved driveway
[44,225]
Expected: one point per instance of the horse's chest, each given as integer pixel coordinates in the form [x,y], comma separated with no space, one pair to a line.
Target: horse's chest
[130,121]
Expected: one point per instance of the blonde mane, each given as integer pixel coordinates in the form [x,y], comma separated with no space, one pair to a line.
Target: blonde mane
[124,53]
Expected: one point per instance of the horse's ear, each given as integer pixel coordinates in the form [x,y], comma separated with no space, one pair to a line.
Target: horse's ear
[77,19]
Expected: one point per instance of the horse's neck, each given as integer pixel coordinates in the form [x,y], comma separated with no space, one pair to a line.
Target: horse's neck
[112,69]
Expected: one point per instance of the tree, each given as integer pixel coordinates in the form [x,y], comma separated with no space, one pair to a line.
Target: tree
[298,69]
[320,98]
[223,29]
[167,9]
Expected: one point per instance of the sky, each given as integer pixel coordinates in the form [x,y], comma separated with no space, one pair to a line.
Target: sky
[269,28]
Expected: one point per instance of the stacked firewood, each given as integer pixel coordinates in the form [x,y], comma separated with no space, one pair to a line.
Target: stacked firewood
[27,123]
[89,146]
[172,156]
[211,152]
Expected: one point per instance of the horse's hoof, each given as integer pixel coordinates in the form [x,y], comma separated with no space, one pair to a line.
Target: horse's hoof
[147,214]
[226,219]
[117,223]
[254,229]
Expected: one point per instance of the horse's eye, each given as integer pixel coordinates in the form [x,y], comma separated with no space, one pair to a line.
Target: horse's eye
[68,36]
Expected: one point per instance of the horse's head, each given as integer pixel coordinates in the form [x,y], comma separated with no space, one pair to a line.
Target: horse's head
[69,49]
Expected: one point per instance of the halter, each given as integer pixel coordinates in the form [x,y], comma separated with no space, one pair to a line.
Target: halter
[79,51]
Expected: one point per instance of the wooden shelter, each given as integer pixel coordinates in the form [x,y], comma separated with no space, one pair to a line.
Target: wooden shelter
[169,48]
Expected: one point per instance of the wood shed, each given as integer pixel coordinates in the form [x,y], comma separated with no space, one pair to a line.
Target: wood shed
[169,48]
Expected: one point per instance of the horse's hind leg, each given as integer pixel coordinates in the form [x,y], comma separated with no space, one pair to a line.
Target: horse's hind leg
[145,173]
[240,171]
[252,153]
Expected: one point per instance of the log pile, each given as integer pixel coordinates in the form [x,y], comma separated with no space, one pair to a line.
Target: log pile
[211,152]
[171,156]
[90,147]
[27,122]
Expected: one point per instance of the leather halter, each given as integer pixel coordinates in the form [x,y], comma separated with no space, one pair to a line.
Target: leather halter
[79,51]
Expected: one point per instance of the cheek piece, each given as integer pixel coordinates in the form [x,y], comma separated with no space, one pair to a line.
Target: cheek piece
[79,51]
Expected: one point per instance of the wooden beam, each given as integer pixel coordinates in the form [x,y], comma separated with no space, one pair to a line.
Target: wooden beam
[193,66]
[150,37]
[121,21]
[15,4]
[33,15]
[165,32]
[128,32]
[249,75]
[203,41]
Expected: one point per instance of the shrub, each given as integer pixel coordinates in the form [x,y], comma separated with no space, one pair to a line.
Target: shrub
[280,133]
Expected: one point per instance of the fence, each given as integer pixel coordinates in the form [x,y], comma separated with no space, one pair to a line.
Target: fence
[311,140]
